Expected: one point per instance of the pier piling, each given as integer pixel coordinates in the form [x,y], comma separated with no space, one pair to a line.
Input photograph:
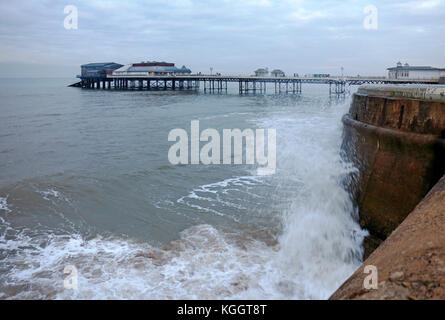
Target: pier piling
[219,84]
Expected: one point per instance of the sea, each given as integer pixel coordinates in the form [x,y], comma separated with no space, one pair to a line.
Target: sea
[87,191]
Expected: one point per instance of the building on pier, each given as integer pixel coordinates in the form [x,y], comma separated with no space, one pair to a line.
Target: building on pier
[98,69]
[277,73]
[165,76]
[405,71]
[262,72]
[153,68]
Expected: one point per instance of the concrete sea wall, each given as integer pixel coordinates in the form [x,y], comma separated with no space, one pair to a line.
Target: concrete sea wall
[396,138]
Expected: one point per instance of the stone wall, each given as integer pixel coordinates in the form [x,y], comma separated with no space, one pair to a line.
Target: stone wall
[396,138]
[411,262]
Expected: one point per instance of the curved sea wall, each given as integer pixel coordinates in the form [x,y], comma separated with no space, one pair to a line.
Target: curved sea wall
[396,138]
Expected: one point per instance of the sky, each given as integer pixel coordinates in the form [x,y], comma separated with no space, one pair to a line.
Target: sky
[231,36]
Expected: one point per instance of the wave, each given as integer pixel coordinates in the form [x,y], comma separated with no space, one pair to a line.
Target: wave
[317,248]
[4,204]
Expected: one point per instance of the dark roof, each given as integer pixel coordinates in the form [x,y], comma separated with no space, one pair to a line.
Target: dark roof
[153,64]
[409,68]
[144,68]
[101,64]
[158,69]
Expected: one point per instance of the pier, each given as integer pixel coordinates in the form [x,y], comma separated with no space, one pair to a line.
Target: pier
[246,84]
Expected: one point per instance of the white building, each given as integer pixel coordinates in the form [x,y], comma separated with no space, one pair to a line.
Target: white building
[262,72]
[277,73]
[152,68]
[415,72]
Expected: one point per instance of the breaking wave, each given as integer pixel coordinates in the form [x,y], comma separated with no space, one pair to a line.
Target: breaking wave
[317,247]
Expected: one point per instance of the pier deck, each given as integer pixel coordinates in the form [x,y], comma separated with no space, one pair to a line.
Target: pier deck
[246,84]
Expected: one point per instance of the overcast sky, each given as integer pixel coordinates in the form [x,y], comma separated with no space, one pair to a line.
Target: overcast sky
[232,36]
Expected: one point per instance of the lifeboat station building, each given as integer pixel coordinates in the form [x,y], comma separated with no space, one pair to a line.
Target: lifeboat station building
[98,69]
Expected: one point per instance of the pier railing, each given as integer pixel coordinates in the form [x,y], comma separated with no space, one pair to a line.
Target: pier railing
[246,84]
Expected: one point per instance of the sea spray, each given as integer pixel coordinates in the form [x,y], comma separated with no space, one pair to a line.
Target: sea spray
[321,241]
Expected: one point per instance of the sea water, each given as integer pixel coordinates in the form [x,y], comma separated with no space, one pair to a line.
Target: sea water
[85,181]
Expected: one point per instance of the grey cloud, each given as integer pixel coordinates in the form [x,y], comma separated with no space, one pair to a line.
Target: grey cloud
[231,36]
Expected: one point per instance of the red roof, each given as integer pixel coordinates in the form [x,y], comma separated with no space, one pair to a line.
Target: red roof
[153,64]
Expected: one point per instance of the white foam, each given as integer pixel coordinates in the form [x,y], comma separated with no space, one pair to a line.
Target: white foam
[214,190]
[4,204]
[203,264]
[50,193]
